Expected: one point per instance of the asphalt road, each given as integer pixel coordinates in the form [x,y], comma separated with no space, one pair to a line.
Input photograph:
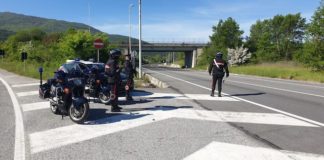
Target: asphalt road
[299,100]
[180,122]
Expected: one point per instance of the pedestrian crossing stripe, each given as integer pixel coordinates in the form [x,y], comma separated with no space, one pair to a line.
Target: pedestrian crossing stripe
[29,93]
[220,151]
[62,136]
[25,85]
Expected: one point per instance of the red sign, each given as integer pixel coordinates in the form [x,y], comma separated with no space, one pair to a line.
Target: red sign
[98,43]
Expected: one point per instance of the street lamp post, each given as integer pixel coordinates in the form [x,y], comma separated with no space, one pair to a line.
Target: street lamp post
[140,38]
[130,29]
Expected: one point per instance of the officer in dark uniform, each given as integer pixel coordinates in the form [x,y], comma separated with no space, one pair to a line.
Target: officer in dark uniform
[112,70]
[216,68]
[129,71]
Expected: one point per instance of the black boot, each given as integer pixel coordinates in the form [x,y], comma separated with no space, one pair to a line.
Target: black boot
[212,94]
[129,98]
[115,108]
[219,95]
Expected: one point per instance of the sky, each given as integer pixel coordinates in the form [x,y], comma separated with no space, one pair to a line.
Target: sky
[162,20]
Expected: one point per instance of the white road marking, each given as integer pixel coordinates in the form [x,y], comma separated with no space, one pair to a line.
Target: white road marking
[278,81]
[11,76]
[24,85]
[19,153]
[184,96]
[35,106]
[30,93]
[222,151]
[57,137]
[280,89]
[254,103]
[303,156]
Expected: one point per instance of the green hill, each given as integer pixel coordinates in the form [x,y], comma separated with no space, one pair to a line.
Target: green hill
[10,23]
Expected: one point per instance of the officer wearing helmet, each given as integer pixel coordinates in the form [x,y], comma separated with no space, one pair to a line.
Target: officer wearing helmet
[218,68]
[129,70]
[113,73]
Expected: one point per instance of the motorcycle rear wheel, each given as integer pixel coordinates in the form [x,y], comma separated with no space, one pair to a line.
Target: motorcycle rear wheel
[104,98]
[81,115]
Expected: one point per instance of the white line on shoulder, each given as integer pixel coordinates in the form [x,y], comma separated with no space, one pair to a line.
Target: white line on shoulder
[19,123]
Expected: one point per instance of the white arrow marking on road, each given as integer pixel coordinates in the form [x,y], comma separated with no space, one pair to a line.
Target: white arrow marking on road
[24,85]
[35,106]
[54,138]
[221,151]
[30,93]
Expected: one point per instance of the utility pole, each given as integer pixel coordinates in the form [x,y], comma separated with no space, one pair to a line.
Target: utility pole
[130,28]
[89,17]
[140,38]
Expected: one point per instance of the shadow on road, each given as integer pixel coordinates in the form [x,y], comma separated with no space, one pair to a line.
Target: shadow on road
[247,94]
[101,116]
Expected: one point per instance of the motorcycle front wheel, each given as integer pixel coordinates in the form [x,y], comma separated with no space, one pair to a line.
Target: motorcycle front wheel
[54,108]
[104,98]
[79,115]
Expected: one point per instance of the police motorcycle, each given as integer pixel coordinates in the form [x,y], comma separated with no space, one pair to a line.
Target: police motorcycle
[66,95]
[97,85]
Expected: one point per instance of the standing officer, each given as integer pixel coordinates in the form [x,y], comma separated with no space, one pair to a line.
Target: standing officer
[217,66]
[113,72]
[129,71]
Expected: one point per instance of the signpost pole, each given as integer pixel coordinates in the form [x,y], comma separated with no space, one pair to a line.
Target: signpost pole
[98,55]
[98,44]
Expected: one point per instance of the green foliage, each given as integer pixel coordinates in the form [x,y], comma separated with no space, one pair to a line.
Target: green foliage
[16,22]
[278,38]
[285,70]
[313,51]
[226,34]
[50,50]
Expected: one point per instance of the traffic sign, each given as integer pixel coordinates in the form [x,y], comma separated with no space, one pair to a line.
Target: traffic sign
[98,43]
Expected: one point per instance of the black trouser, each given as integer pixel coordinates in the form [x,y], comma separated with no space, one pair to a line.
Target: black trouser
[130,83]
[114,94]
[219,84]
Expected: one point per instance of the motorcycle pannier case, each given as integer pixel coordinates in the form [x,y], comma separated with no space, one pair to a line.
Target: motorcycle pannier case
[44,91]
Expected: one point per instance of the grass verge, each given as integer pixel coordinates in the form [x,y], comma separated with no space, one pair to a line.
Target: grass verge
[31,69]
[281,70]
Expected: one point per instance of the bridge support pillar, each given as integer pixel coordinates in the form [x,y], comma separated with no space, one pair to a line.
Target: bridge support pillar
[188,59]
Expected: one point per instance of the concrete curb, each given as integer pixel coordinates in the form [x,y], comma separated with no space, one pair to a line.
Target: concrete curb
[158,83]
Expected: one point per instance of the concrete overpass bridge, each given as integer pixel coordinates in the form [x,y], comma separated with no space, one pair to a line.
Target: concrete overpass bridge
[191,50]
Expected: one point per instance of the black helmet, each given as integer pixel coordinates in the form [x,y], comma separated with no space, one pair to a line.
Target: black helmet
[60,74]
[115,53]
[219,55]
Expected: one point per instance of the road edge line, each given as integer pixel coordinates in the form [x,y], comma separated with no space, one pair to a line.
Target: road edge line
[19,153]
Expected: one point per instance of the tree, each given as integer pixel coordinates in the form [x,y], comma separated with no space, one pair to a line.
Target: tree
[313,51]
[238,56]
[278,38]
[226,34]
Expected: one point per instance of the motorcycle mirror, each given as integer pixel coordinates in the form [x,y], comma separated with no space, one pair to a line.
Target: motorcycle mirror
[40,69]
